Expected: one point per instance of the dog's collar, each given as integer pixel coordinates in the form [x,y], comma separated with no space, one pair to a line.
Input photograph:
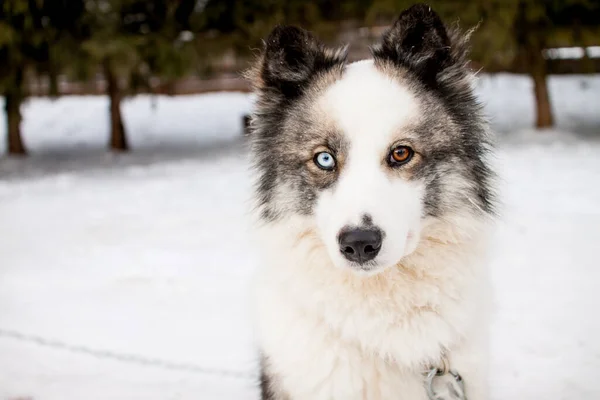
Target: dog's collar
[444,383]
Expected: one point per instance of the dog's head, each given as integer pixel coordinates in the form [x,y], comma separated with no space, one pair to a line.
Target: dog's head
[369,152]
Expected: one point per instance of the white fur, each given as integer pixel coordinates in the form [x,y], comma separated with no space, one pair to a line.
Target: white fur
[330,333]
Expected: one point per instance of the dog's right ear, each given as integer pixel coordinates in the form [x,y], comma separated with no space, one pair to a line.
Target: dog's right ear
[291,59]
[418,41]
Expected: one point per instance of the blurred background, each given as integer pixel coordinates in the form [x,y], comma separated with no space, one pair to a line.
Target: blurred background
[124,185]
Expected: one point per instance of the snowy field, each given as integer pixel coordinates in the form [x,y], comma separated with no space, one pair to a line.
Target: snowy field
[146,254]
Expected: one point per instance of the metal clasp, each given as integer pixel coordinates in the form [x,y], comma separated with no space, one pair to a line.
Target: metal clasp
[452,389]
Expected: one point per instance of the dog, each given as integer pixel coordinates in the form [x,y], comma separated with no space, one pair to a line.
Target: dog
[374,199]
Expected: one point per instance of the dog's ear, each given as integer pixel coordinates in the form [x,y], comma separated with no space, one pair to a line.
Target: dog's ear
[292,57]
[418,41]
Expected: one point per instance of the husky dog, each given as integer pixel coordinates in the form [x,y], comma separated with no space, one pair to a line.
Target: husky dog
[373,195]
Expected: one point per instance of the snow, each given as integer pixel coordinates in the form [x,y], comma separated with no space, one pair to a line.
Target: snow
[134,262]
[147,254]
[76,122]
[572,53]
[510,104]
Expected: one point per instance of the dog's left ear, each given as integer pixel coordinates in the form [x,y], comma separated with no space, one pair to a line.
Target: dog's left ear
[419,42]
[291,59]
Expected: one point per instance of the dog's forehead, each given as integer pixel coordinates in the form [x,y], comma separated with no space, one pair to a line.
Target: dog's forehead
[368,102]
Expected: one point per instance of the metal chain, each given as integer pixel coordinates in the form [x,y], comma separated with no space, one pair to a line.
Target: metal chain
[129,358]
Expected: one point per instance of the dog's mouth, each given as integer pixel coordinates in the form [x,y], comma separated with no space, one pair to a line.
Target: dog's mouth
[368,269]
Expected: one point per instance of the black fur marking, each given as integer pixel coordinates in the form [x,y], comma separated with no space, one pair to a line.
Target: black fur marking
[292,58]
[267,390]
[265,387]
[454,152]
[419,42]
[431,202]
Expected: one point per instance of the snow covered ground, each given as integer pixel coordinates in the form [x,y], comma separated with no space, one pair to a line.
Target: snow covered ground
[146,254]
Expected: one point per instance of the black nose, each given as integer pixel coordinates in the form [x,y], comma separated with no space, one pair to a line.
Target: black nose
[360,245]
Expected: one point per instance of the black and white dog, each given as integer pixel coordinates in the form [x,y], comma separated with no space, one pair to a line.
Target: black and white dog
[374,196]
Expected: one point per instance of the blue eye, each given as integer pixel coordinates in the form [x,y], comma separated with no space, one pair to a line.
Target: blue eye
[325,160]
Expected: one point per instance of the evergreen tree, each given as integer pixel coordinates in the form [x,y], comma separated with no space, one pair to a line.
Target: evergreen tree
[115,53]
[132,41]
[16,38]
[31,34]
[167,31]
[242,25]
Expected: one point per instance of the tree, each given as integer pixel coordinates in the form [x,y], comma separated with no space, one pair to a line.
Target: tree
[166,30]
[133,41]
[531,28]
[115,53]
[30,31]
[17,38]
[242,25]
[22,43]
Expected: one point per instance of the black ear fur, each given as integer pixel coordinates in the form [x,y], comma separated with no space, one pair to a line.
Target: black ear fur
[292,57]
[418,41]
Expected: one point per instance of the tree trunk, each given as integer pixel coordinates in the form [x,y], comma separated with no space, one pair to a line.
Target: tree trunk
[531,38]
[544,118]
[13,99]
[543,106]
[118,137]
[52,81]
[587,63]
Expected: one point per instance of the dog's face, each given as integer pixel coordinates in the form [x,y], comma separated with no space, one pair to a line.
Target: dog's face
[372,151]
[369,212]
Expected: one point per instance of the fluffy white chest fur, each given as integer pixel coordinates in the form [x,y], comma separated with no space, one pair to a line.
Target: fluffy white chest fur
[330,333]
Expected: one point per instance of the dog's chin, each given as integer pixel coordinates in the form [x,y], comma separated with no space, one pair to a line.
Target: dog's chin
[369,268]
[374,267]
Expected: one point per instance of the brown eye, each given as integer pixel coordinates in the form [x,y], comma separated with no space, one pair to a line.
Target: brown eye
[401,155]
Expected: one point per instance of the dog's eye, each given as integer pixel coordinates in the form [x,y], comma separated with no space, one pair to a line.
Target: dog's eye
[400,155]
[325,160]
